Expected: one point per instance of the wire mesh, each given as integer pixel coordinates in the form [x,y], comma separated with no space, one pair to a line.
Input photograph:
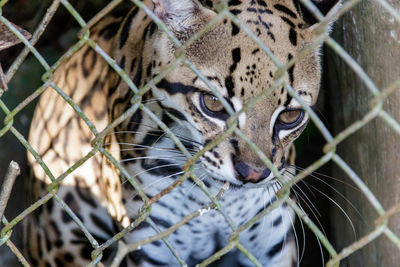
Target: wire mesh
[376,111]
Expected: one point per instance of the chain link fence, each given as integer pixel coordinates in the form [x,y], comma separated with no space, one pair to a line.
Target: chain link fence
[380,95]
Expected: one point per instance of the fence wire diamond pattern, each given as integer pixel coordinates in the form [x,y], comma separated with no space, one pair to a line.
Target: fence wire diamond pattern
[376,111]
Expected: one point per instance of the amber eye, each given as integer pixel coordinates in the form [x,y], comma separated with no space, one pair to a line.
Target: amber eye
[291,118]
[212,103]
[213,107]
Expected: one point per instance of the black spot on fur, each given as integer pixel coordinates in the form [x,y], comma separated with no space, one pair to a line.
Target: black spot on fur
[54,227]
[234,3]
[100,223]
[288,21]
[235,29]
[68,257]
[59,262]
[277,221]
[235,145]
[253,237]
[86,252]
[254,226]
[293,36]
[87,68]
[138,76]
[209,4]
[236,57]
[285,10]
[266,205]
[59,243]
[174,88]
[176,113]
[134,121]
[140,255]
[262,3]
[291,70]
[110,30]
[143,225]
[122,63]
[127,27]
[276,248]
[85,195]
[69,198]
[133,63]
[157,243]
[161,167]
[229,85]
[236,11]
[49,246]
[148,70]
[39,239]
[50,205]
[153,28]
[271,35]
[114,88]
[65,217]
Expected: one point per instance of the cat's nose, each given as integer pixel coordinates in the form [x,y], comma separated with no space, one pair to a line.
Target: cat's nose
[246,173]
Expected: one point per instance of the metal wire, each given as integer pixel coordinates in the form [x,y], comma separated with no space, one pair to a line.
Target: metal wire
[376,110]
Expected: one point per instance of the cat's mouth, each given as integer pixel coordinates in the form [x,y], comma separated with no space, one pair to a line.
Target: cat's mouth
[240,177]
[220,180]
[240,185]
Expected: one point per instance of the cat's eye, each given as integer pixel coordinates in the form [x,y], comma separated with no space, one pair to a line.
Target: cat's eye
[212,103]
[290,118]
[213,107]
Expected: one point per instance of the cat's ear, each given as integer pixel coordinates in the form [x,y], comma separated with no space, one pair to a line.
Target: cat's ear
[325,6]
[180,15]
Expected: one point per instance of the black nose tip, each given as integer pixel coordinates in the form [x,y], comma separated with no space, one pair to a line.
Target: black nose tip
[242,169]
[265,173]
[246,173]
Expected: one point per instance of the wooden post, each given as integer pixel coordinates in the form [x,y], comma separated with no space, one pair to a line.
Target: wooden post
[372,37]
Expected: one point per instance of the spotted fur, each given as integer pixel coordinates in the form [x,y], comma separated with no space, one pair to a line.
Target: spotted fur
[239,70]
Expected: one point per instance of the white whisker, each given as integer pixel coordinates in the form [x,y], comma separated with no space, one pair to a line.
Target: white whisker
[154,168]
[161,179]
[341,209]
[303,250]
[313,174]
[308,199]
[333,201]
[340,194]
[201,178]
[149,157]
[311,210]
[181,137]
